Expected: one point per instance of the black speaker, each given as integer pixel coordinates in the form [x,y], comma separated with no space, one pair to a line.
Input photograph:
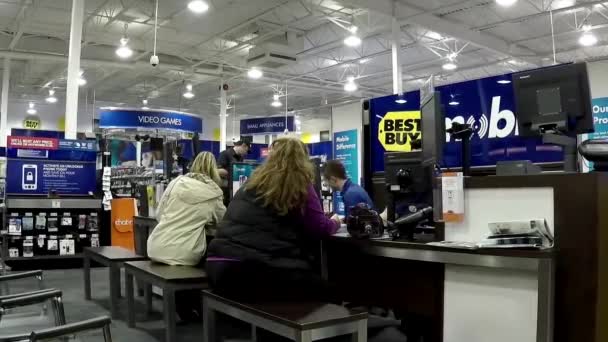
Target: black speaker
[366,105]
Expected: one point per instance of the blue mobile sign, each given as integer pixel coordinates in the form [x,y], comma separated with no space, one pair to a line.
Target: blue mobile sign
[38,165]
[276,124]
[153,119]
[487,104]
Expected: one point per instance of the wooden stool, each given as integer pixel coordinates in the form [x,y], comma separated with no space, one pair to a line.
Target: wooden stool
[114,258]
[298,321]
[170,279]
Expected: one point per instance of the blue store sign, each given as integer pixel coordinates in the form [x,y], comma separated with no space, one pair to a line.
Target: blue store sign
[38,177]
[155,119]
[600,124]
[38,165]
[267,125]
[488,106]
[346,149]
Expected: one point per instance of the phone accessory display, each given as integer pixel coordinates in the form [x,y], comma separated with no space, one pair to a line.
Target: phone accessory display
[66,221]
[52,245]
[66,247]
[28,248]
[93,222]
[94,240]
[14,226]
[13,252]
[27,223]
[41,222]
[52,224]
[82,221]
[40,241]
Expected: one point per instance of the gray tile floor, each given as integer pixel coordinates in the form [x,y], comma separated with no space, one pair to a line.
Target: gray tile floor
[76,308]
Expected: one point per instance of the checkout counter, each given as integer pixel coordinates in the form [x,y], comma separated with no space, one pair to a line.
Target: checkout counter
[498,295]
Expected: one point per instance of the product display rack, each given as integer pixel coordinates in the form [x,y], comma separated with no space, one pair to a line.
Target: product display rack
[50,228]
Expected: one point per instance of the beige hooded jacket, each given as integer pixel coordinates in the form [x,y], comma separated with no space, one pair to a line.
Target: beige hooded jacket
[190,205]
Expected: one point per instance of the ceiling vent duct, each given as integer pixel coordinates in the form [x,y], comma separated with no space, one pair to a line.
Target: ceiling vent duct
[273,55]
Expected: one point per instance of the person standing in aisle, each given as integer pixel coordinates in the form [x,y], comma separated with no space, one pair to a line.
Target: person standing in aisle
[231,155]
[189,209]
[352,194]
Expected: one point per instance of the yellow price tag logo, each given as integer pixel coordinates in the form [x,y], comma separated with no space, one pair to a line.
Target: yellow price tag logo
[397,130]
[31,124]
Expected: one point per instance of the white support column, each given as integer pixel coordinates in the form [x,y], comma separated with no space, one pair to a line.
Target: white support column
[396,57]
[71,101]
[6,75]
[223,107]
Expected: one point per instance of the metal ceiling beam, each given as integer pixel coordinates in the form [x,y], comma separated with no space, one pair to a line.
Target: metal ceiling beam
[418,16]
[20,22]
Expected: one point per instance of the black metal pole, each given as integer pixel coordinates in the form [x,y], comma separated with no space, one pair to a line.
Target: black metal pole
[466,155]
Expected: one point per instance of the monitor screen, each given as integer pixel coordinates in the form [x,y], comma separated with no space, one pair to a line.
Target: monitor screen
[240,174]
[549,101]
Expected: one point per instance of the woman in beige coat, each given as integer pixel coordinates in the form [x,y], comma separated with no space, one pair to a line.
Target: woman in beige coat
[191,205]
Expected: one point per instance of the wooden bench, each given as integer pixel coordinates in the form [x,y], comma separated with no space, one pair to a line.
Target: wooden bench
[170,279]
[114,258]
[298,321]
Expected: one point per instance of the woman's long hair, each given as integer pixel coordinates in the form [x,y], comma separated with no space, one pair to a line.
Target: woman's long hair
[282,181]
[205,164]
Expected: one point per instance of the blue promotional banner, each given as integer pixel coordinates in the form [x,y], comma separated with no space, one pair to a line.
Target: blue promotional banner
[39,177]
[155,119]
[600,124]
[487,104]
[276,124]
[346,149]
[40,165]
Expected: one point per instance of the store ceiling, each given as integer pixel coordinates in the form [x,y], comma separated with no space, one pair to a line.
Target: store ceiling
[205,49]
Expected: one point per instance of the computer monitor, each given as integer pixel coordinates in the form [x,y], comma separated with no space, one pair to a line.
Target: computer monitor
[240,174]
[433,128]
[553,100]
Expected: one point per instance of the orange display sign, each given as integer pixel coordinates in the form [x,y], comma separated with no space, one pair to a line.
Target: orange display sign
[123,210]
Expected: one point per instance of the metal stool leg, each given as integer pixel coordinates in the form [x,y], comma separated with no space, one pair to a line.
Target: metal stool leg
[148,298]
[107,335]
[86,269]
[130,300]
[169,314]
[208,322]
[361,334]
[114,289]
[59,313]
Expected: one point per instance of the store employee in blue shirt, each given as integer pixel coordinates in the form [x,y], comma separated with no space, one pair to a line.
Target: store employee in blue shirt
[352,194]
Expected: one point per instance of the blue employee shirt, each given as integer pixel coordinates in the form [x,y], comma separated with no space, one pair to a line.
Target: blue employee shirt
[353,194]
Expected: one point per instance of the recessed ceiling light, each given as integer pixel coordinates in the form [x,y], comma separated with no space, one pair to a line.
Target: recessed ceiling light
[198,6]
[587,39]
[352,41]
[401,101]
[449,66]
[454,103]
[145,108]
[363,61]
[506,3]
[503,81]
[255,73]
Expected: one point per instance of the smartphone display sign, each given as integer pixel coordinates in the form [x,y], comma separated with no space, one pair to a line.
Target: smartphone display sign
[36,177]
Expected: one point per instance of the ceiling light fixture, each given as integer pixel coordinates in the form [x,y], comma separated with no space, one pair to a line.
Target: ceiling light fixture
[506,3]
[353,29]
[189,94]
[449,66]
[31,110]
[504,81]
[51,98]
[81,80]
[353,40]
[275,101]
[559,4]
[255,73]
[124,51]
[587,39]
[454,103]
[198,6]
[400,99]
[363,61]
[350,85]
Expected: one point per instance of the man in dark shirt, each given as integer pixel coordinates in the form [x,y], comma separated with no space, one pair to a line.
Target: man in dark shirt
[352,194]
[228,157]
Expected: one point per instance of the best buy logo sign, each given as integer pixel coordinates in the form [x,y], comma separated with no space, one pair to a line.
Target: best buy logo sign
[398,129]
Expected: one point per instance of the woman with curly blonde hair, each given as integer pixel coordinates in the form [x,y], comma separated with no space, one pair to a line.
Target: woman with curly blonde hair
[270,229]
